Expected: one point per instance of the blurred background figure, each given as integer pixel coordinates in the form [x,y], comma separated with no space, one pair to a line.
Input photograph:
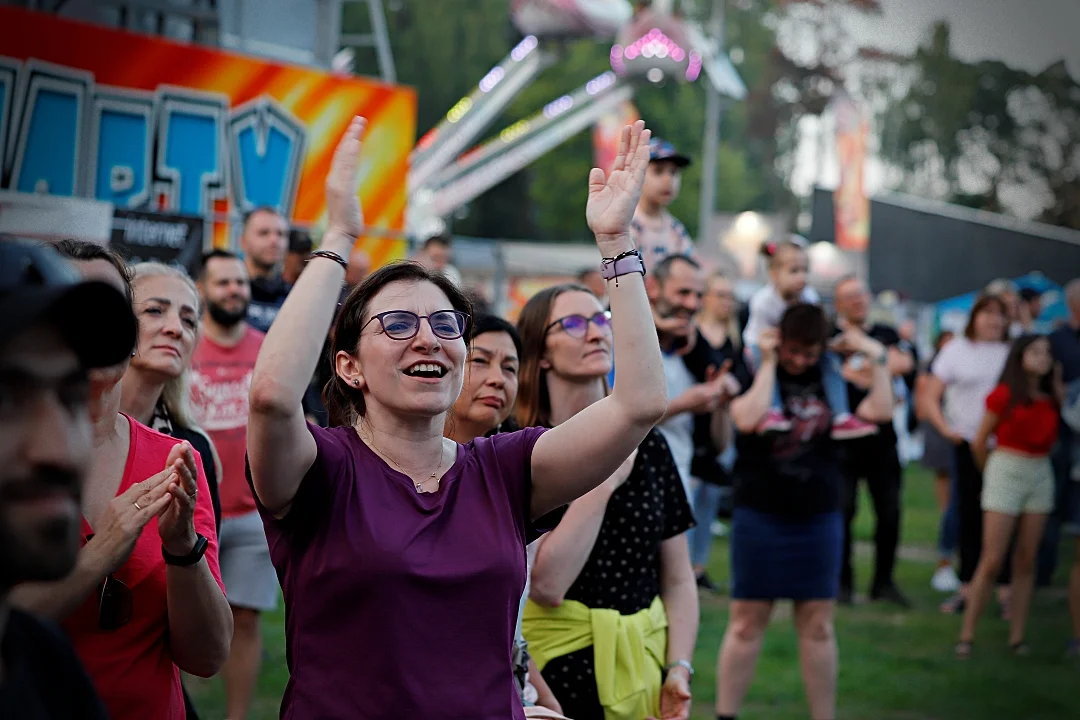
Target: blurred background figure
[53,329]
[300,247]
[437,253]
[359,267]
[590,278]
[1029,308]
[222,368]
[264,242]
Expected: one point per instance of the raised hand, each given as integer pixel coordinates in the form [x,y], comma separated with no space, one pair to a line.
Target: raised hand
[612,198]
[176,523]
[768,342]
[343,182]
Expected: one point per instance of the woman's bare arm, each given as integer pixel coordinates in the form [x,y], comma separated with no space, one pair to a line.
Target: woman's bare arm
[280,446]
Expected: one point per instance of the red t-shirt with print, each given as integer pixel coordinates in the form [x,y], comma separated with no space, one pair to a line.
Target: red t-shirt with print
[1031,429]
[132,666]
[220,383]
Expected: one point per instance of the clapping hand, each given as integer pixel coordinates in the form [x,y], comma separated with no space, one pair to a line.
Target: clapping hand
[176,523]
[118,528]
[613,198]
[342,184]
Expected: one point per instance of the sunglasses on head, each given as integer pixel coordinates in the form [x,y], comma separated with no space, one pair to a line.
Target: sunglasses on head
[578,325]
[114,603]
[404,325]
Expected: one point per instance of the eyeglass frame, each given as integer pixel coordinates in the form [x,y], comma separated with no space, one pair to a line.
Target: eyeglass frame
[463,317]
[606,324]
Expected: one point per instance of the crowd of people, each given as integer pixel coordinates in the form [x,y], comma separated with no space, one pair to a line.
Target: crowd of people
[470,518]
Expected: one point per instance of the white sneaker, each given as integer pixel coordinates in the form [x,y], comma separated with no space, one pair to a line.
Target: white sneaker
[945,580]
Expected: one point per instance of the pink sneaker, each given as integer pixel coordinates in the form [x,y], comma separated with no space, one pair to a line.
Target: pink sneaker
[849,427]
[774,422]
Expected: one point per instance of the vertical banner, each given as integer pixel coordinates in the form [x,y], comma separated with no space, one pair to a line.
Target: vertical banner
[150,125]
[852,206]
[606,133]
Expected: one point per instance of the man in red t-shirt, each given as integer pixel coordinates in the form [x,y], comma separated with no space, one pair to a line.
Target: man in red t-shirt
[221,368]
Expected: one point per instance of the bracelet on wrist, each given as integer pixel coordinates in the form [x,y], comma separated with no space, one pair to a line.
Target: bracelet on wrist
[624,263]
[330,255]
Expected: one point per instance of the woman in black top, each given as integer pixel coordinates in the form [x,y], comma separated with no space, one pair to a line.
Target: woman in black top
[621,547]
[718,344]
[786,528]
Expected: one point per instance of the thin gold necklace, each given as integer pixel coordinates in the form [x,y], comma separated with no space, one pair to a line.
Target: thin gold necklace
[418,485]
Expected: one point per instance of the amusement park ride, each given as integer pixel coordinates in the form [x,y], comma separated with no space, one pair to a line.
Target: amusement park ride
[652,45]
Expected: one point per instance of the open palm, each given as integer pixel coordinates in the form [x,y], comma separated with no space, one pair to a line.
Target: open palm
[612,199]
[342,183]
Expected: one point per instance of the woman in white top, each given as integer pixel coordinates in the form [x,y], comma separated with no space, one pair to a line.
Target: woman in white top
[969,368]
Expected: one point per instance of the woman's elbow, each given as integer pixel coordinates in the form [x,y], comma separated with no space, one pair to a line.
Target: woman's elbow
[541,593]
[270,398]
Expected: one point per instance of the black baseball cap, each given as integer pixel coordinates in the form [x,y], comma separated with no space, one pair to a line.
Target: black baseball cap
[660,149]
[36,283]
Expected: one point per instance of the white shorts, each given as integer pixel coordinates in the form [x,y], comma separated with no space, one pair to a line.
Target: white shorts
[1014,484]
[249,576]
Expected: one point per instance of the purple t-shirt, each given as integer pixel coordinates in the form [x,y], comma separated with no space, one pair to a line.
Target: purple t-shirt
[402,604]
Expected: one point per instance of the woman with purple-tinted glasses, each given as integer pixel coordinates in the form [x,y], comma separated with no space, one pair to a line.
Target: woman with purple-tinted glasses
[618,560]
[401,553]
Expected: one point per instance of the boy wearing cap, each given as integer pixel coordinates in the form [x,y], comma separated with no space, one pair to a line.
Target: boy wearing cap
[654,230]
[53,328]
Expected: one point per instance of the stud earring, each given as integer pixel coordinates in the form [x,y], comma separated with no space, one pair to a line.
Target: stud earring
[356,383]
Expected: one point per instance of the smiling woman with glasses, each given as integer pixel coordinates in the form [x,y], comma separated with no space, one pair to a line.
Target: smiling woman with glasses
[384,533]
[636,520]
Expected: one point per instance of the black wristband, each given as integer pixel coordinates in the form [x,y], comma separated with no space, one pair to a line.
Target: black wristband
[330,255]
[196,554]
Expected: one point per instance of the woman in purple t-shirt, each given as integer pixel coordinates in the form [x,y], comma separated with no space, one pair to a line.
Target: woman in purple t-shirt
[401,554]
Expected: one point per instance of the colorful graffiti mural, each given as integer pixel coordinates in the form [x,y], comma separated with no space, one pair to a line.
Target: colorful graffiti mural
[149,124]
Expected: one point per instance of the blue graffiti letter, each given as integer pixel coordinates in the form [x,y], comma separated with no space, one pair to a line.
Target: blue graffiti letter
[122,156]
[49,142]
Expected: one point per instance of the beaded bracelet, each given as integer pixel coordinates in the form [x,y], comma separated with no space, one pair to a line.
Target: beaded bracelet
[330,255]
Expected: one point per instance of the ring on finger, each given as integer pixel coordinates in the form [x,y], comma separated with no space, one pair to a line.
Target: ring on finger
[193,494]
[137,505]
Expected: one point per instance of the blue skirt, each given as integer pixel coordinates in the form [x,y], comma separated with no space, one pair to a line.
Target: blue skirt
[776,558]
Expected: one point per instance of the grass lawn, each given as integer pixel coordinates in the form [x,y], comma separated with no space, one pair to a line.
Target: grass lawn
[893,665]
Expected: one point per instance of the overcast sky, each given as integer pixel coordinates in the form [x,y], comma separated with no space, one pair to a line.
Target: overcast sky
[1030,34]
[1027,34]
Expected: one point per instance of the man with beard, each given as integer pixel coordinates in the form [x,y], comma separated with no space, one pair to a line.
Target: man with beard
[53,328]
[221,373]
[264,242]
[675,287]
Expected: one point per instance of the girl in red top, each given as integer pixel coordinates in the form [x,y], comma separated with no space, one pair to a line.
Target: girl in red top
[1018,481]
[145,599]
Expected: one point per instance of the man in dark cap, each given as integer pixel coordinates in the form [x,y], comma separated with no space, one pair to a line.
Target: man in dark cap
[654,230]
[53,328]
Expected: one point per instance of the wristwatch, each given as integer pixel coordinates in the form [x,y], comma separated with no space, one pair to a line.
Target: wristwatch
[680,663]
[196,554]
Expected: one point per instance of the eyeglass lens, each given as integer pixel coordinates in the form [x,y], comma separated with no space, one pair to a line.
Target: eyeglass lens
[578,325]
[403,325]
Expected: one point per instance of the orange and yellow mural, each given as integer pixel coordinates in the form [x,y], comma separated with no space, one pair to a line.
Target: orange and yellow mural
[147,123]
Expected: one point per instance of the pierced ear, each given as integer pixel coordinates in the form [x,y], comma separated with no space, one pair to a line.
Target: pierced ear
[348,369]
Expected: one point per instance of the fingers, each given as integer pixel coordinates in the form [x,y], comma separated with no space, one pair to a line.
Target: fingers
[141,489]
[624,146]
[597,180]
[156,500]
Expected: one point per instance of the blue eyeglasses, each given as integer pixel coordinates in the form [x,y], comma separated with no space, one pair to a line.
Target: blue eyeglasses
[578,325]
[404,325]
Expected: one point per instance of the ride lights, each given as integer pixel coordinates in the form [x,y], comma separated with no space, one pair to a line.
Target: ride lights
[654,47]
[523,48]
[491,79]
[557,107]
